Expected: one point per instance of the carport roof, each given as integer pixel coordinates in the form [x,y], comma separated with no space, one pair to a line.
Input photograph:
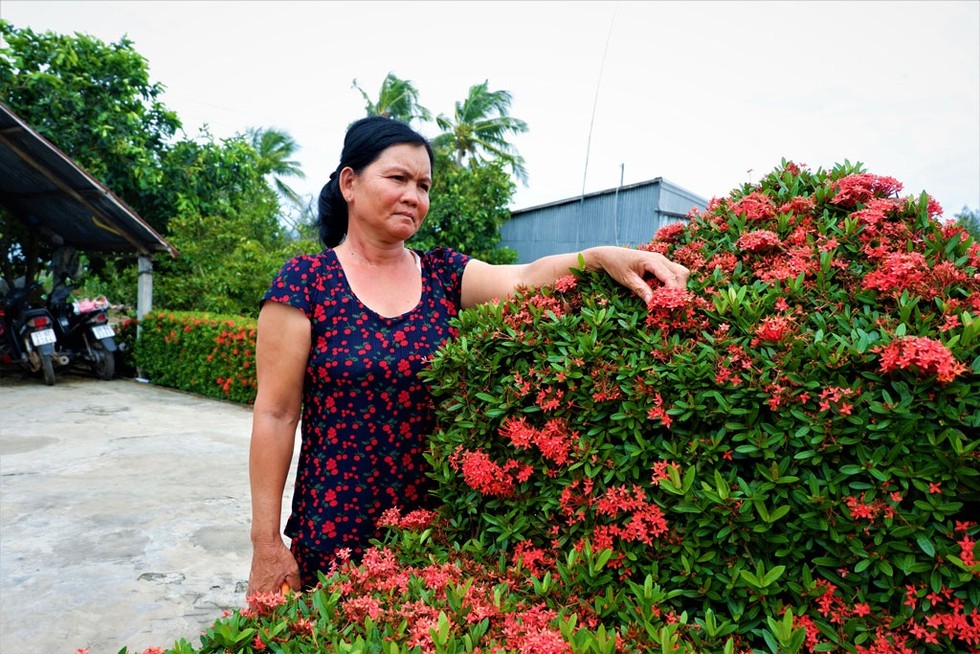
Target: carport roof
[44,188]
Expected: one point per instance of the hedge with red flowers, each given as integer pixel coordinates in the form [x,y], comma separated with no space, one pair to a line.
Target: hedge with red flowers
[200,353]
[784,457]
[797,431]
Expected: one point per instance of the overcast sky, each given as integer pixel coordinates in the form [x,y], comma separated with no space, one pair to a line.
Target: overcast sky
[707,95]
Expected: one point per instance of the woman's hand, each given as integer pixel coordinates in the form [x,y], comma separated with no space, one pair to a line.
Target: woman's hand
[483,282]
[628,267]
[272,566]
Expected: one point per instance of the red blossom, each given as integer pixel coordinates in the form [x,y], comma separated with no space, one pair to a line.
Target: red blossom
[554,440]
[670,233]
[566,283]
[898,272]
[859,188]
[675,308]
[264,603]
[799,205]
[922,355]
[754,206]
[761,240]
[657,412]
[773,329]
[482,474]
[534,559]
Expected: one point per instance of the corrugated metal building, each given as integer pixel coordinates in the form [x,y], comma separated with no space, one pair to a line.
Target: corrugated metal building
[626,215]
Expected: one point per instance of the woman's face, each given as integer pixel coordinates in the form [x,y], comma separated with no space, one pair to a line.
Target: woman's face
[390,196]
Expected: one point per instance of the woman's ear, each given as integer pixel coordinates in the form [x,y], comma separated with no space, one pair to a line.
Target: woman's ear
[346,183]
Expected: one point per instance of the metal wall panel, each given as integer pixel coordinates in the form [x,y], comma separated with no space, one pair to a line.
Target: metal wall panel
[628,215]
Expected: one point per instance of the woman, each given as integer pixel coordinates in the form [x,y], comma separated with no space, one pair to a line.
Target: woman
[341,338]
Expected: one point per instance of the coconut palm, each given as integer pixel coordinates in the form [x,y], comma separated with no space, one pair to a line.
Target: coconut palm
[479,128]
[397,98]
[275,148]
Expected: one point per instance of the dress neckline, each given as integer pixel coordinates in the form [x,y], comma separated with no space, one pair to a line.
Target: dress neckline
[350,291]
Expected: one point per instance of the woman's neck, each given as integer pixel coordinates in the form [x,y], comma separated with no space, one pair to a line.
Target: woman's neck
[373,254]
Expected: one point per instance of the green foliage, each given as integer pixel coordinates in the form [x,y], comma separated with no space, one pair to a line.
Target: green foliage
[214,200]
[781,458]
[274,149]
[970,221]
[478,130]
[209,355]
[126,335]
[96,103]
[469,204]
[397,98]
[210,199]
[799,430]
[225,229]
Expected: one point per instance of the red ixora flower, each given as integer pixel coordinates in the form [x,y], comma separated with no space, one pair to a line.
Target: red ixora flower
[773,329]
[921,354]
[675,308]
[754,206]
[861,187]
[761,240]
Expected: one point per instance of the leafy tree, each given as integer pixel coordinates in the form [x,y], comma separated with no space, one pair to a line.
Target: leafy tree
[970,221]
[226,229]
[479,127]
[274,148]
[469,204]
[210,199]
[397,98]
[96,103]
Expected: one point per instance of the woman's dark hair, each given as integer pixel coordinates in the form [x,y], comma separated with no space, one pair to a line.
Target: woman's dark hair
[366,139]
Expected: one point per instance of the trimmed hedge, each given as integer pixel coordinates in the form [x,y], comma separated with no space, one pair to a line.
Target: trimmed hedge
[784,457]
[200,353]
[798,431]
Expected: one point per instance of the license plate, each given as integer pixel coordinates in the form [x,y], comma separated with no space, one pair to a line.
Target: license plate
[43,337]
[103,331]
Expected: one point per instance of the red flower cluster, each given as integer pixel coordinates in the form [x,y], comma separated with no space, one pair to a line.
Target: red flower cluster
[859,188]
[482,474]
[761,240]
[676,309]
[554,440]
[773,329]
[922,355]
[754,206]
[416,520]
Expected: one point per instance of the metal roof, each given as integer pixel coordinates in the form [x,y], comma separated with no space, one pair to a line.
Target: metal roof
[45,189]
[626,215]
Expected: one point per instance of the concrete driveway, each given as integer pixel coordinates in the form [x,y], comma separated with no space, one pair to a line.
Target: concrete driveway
[124,514]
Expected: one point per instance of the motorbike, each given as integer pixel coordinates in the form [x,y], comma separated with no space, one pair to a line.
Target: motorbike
[27,334]
[84,335]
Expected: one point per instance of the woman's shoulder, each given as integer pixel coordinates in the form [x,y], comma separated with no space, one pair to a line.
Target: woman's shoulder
[305,262]
[444,255]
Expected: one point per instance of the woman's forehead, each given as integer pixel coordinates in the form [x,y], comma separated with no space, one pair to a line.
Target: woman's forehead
[410,156]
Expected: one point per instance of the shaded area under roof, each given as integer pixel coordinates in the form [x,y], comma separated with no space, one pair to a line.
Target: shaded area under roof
[52,195]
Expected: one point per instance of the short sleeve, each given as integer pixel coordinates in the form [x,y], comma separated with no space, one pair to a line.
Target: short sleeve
[447,267]
[292,285]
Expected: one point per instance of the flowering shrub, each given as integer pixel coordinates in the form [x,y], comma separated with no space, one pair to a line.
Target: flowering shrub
[126,330]
[206,354]
[783,457]
[796,433]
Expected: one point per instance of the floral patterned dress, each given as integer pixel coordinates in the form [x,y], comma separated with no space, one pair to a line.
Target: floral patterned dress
[365,411]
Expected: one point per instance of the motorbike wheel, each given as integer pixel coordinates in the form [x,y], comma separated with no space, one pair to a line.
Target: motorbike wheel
[47,368]
[103,362]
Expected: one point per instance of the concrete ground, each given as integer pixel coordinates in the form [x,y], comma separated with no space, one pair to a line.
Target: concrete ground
[124,514]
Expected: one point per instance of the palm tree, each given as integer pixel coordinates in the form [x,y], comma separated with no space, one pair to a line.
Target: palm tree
[398,99]
[479,127]
[275,149]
